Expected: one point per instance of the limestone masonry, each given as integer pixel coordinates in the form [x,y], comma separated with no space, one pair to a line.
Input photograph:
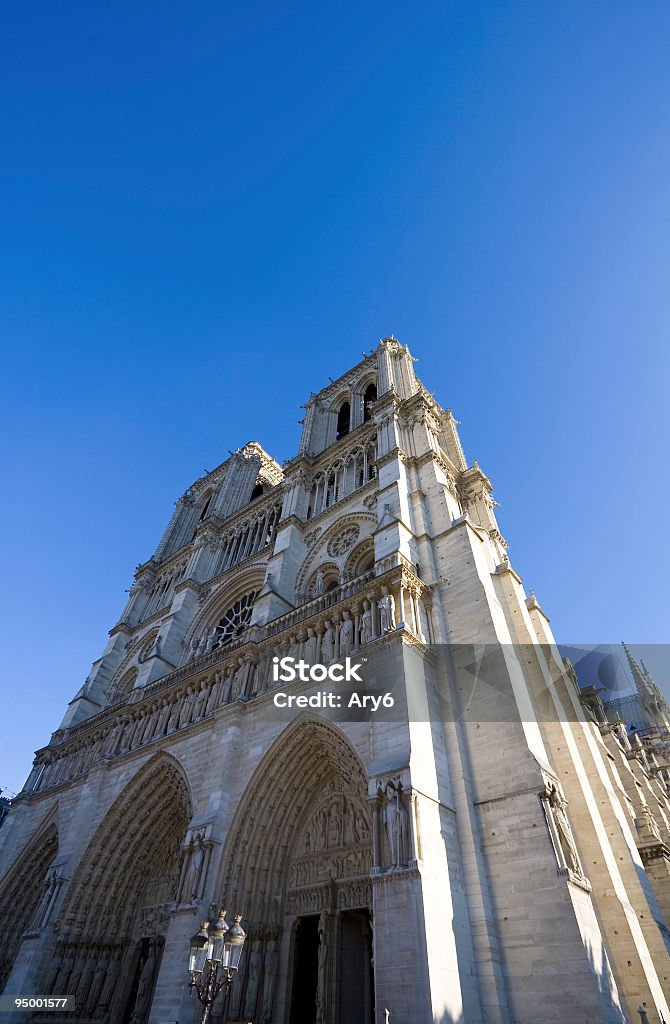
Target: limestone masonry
[491,849]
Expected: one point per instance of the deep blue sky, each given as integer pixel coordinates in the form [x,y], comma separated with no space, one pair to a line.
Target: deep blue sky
[206,210]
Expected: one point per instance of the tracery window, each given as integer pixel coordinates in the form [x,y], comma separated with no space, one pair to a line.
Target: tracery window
[346,475]
[231,626]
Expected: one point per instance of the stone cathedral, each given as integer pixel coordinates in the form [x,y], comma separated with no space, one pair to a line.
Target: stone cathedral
[488,849]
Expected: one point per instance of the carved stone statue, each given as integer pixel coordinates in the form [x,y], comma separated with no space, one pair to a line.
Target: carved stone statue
[198,702]
[144,987]
[253,978]
[396,820]
[361,825]
[346,635]
[366,623]
[227,687]
[322,972]
[334,825]
[185,709]
[322,830]
[52,884]
[162,718]
[269,981]
[386,605]
[213,696]
[192,879]
[350,827]
[173,721]
[327,644]
[97,983]
[318,586]
[109,986]
[236,684]
[309,652]
[557,806]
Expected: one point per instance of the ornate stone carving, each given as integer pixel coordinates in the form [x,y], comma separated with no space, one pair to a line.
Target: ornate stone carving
[52,885]
[145,985]
[324,969]
[560,829]
[386,605]
[344,540]
[197,854]
[393,840]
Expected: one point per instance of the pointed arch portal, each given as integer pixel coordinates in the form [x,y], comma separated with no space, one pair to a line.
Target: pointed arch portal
[115,915]
[297,867]
[20,893]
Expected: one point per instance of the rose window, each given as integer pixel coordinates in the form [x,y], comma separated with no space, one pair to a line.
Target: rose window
[344,540]
[233,624]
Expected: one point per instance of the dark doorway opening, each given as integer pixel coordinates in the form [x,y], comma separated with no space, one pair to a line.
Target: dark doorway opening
[305,971]
[354,974]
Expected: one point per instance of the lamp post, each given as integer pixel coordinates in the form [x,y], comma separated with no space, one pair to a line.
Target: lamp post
[215,952]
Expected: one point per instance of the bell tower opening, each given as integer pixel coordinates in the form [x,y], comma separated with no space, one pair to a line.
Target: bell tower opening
[343,420]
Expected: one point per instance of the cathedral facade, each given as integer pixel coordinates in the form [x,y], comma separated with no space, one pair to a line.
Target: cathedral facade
[485,846]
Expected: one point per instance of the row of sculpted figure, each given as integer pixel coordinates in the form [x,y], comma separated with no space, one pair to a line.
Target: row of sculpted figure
[252,995]
[92,973]
[243,677]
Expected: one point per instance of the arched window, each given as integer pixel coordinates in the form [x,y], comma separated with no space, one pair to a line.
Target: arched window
[369,397]
[343,420]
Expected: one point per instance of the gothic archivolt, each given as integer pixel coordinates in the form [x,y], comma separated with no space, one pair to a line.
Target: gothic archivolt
[310,763]
[300,843]
[112,924]
[22,891]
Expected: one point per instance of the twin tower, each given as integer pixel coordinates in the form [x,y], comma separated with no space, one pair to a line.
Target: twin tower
[469,852]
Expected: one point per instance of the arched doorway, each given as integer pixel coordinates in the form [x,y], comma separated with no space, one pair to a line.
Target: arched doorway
[297,868]
[21,893]
[116,913]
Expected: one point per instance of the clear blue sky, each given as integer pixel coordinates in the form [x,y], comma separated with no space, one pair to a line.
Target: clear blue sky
[208,208]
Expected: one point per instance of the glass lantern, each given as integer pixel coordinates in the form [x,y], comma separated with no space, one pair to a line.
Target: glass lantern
[198,947]
[218,929]
[232,945]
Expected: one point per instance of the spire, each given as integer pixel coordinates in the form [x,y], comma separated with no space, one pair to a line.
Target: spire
[638,677]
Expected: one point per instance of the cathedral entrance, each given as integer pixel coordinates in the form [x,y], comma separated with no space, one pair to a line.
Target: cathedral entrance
[354,998]
[117,910]
[305,971]
[337,974]
[303,886]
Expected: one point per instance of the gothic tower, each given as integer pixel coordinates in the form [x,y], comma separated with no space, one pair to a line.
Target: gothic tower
[464,852]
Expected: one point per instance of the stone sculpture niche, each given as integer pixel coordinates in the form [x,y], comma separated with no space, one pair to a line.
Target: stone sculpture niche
[392,826]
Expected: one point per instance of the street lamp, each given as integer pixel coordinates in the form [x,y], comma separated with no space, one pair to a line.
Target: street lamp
[215,953]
